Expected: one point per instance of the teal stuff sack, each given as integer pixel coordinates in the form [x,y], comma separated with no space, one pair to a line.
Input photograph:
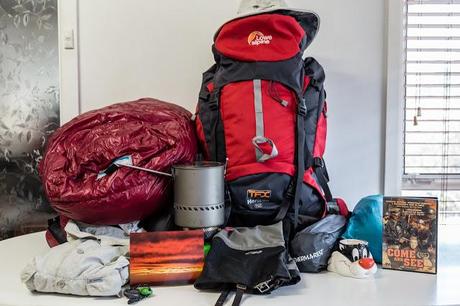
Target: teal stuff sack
[366,224]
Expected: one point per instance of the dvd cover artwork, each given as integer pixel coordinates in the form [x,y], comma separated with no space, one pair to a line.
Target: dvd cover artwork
[410,234]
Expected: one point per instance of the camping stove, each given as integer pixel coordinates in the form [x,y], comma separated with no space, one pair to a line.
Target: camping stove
[199,195]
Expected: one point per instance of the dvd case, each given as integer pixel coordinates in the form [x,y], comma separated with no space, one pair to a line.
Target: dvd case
[410,231]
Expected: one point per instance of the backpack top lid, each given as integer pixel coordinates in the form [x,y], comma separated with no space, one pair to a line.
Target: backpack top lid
[248,9]
[266,37]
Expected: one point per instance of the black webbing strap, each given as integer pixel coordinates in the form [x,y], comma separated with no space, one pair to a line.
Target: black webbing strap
[294,191]
[322,176]
[300,156]
[54,227]
[239,295]
[223,297]
[214,109]
[240,289]
[286,203]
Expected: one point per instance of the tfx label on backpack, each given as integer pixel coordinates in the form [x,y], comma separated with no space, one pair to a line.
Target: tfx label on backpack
[256,198]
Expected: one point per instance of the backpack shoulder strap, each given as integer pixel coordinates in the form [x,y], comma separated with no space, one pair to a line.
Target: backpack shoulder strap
[316,72]
[319,167]
[210,115]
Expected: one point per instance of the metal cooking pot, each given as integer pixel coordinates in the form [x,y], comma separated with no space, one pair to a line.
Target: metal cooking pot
[198,193]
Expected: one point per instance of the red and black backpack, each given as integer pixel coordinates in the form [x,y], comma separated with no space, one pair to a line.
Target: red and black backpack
[262,110]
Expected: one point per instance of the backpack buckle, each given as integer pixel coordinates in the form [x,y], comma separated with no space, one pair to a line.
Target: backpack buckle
[265,148]
[264,286]
[213,105]
[302,109]
[290,190]
[332,207]
[318,162]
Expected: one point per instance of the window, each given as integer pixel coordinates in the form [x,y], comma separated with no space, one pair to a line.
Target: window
[432,104]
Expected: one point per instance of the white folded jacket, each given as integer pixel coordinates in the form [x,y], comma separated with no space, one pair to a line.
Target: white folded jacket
[88,264]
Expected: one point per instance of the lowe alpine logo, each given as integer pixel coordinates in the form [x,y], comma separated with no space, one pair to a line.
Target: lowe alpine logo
[310,256]
[256,198]
[258,38]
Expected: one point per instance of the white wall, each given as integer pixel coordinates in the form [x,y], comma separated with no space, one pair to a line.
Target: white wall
[137,48]
[142,48]
[351,47]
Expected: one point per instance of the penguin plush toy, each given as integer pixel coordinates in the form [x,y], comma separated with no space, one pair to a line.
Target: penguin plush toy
[353,259]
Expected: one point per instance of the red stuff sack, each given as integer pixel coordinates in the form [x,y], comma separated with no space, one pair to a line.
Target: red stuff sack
[155,134]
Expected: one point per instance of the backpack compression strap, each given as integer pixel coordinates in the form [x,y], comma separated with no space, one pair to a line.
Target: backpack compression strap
[294,190]
[260,139]
[236,300]
[300,158]
[323,177]
[217,134]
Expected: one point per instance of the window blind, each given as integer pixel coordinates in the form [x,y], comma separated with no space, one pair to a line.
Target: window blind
[432,102]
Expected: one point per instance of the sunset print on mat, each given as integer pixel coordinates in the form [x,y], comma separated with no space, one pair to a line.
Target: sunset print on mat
[171,258]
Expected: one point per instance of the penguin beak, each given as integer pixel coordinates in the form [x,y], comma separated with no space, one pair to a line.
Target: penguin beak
[366,263]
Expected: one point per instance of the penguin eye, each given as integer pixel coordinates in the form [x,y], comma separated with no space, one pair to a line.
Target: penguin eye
[364,253]
[355,254]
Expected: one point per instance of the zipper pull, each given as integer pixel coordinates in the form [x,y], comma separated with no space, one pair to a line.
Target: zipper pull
[275,96]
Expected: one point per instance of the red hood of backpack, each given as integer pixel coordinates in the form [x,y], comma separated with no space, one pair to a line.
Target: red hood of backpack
[308,21]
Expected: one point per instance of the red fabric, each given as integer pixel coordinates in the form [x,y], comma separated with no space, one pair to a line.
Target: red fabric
[210,86]
[306,82]
[308,178]
[201,137]
[256,168]
[342,207]
[266,148]
[156,134]
[266,37]
[237,111]
[321,132]
[238,115]
[52,242]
